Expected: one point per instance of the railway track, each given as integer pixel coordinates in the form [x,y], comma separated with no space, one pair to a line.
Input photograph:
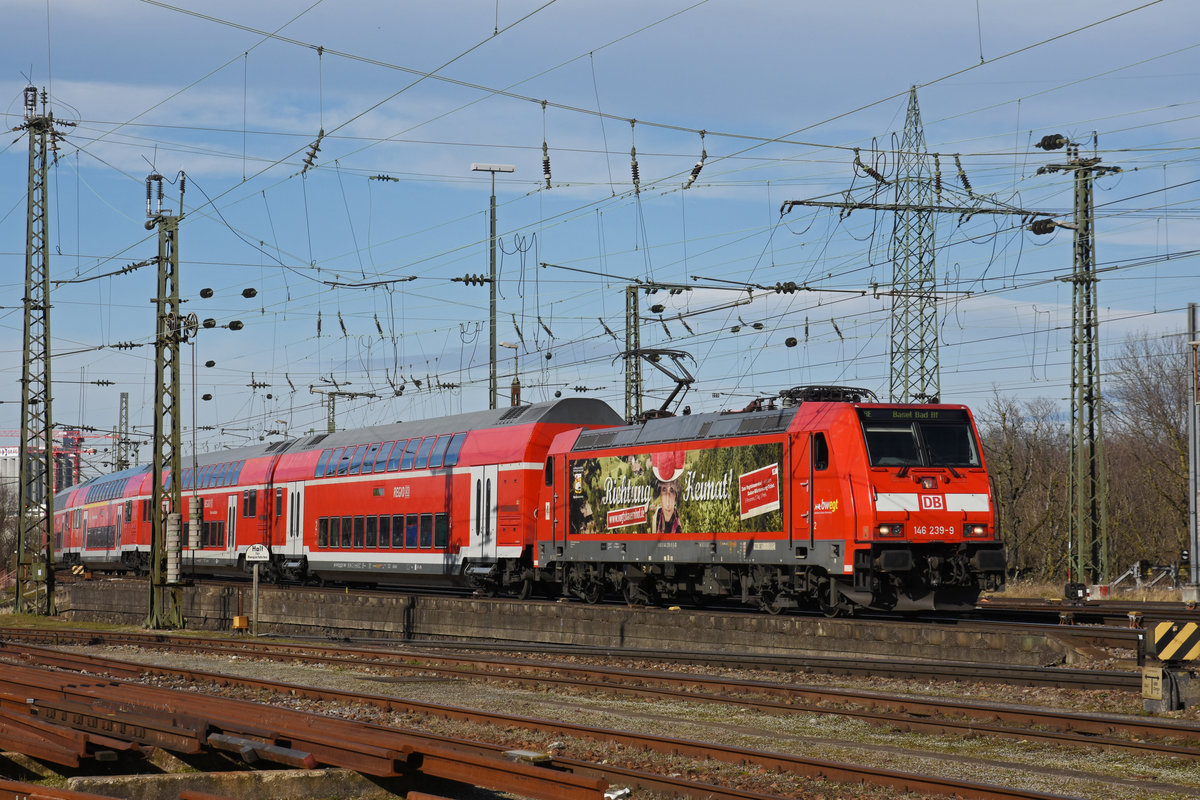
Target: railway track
[373,756]
[351,651]
[940,716]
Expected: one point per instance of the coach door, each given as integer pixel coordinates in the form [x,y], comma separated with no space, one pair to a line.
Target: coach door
[294,520]
[231,523]
[483,512]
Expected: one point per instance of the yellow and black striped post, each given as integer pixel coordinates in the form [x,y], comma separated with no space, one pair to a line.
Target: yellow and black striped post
[1176,641]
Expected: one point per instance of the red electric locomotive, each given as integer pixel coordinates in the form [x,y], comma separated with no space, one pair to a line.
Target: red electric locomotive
[825,501]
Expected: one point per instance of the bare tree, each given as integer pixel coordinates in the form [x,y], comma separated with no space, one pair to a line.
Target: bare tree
[8,524]
[1146,456]
[1026,455]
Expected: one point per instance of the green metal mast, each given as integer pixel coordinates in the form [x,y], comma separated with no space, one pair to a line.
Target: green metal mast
[166,594]
[35,494]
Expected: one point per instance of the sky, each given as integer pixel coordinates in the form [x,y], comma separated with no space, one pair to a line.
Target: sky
[352,257]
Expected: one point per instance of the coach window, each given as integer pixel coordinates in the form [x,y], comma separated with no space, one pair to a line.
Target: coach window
[549,471]
[323,532]
[320,470]
[335,531]
[372,532]
[820,452]
[423,455]
[385,532]
[368,465]
[359,529]
[237,471]
[278,503]
[456,444]
[347,531]
[410,451]
[356,461]
[353,459]
[397,531]
[249,502]
[344,461]
[439,451]
[381,457]
[394,459]
[222,472]
[128,511]
[426,531]
[410,532]
[331,464]
[441,531]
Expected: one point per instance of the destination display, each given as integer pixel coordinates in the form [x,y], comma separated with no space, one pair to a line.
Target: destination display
[712,490]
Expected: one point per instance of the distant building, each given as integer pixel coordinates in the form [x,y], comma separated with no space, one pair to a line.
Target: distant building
[9,467]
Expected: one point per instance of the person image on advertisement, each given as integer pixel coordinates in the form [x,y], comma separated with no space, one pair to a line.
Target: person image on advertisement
[668,467]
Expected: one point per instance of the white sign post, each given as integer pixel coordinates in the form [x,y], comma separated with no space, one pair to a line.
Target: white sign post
[256,554]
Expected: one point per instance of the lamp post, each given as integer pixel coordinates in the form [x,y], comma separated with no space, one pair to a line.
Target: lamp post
[516,382]
[493,169]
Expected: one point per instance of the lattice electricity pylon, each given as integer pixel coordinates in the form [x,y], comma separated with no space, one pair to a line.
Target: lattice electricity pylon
[35,493]
[914,336]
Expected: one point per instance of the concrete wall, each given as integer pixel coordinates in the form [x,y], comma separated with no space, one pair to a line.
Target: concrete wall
[340,614]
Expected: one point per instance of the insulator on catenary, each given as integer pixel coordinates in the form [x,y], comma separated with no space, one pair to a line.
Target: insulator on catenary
[318,324]
[546,163]
[937,177]
[342,323]
[633,167]
[790,341]
[699,164]
[1042,226]
[962,175]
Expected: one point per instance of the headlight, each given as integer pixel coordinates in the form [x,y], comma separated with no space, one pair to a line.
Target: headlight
[975,531]
[890,529]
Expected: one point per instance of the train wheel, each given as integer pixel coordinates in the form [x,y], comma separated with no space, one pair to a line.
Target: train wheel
[770,603]
[829,607]
[524,589]
[592,592]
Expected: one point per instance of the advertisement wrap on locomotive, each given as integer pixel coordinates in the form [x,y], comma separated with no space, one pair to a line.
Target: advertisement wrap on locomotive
[828,503]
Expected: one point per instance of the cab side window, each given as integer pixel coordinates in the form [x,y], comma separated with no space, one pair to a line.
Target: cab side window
[820,452]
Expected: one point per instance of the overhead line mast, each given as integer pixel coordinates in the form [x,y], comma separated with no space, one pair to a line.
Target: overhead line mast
[35,493]
[1087,489]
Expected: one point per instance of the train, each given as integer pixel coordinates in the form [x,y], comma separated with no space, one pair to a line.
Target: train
[820,498]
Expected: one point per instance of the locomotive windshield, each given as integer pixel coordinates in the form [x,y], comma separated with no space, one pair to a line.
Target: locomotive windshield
[919,438]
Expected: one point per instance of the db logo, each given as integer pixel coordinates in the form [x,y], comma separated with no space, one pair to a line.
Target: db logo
[933,502]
